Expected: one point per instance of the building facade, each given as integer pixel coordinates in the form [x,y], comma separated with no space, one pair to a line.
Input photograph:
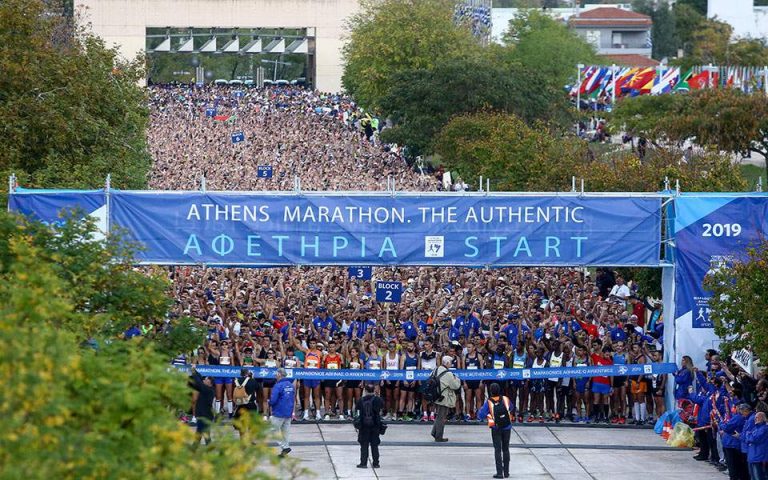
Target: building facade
[124,23]
[614,31]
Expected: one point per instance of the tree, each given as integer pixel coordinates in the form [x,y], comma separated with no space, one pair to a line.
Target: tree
[72,112]
[687,23]
[664,31]
[547,46]
[739,305]
[104,408]
[717,119]
[504,149]
[421,102]
[391,36]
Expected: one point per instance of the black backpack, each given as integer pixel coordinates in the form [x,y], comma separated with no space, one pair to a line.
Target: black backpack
[500,414]
[431,390]
[367,417]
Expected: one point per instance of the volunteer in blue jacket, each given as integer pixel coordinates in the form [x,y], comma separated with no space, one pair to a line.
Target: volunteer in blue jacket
[729,434]
[757,448]
[496,412]
[282,402]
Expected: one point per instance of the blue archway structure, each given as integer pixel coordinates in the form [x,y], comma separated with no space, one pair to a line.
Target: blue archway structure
[685,234]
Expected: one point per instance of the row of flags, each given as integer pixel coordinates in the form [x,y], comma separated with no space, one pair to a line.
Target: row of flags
[598,81]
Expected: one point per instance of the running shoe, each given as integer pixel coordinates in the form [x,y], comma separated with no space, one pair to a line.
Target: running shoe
[541,419]
[432,417]
[622,421]
[425,417]
[306,415]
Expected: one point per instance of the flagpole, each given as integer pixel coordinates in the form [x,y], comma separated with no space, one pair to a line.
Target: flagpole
[765,80]
[613,81]
[578,86]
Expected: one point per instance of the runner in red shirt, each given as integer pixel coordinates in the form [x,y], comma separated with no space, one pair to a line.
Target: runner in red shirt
[601,386]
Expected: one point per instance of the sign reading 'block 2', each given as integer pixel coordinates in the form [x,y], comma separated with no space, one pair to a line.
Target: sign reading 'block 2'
[389,291]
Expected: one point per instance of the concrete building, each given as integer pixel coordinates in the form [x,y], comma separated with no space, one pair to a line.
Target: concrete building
[124,23]
[613,31]
[746,19]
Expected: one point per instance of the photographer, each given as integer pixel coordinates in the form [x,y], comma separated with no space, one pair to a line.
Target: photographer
[368,424]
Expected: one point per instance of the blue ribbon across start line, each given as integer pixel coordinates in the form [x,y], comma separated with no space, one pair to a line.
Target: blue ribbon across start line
[408,375]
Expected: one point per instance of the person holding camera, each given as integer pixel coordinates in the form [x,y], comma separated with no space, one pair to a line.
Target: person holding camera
[369,426]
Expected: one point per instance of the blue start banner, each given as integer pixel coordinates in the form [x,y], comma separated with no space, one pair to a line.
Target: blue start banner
[407,375]
[325,229]
[711,231]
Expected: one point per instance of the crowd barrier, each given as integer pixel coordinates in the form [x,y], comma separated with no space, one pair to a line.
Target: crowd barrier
[395,375]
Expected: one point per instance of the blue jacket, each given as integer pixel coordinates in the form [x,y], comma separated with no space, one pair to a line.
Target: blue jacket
[483,414]
[282,398]
[757,443]
[683,380]
[703,400]
[735,424]
[749,424]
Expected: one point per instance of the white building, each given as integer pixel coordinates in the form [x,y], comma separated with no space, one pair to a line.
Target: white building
[502,16]
[124,23]
[746,19]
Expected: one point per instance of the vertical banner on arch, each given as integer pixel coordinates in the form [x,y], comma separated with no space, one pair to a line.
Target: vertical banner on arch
[710,232]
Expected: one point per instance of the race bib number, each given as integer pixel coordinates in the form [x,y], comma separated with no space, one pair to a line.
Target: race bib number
[498,364]
[333,366]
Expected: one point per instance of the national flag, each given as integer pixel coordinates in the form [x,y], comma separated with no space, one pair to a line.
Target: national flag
[589,328]
[622,81]
[620,73]
[585,76]
[238,137]
[663,83]
[640,79]
[682,84]
[607,80]
[704,80]
[231,118]
[221,118]
[593,81]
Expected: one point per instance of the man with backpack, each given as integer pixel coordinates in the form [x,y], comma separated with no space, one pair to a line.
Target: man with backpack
[244,396]
[496,412]
[368,425]
[440,389]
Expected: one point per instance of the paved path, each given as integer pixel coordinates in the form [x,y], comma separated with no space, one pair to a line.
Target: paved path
[538,452]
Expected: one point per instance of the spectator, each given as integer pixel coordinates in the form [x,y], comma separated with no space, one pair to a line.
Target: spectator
[282,409]
[203,406]
[449,384]
[757,445]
